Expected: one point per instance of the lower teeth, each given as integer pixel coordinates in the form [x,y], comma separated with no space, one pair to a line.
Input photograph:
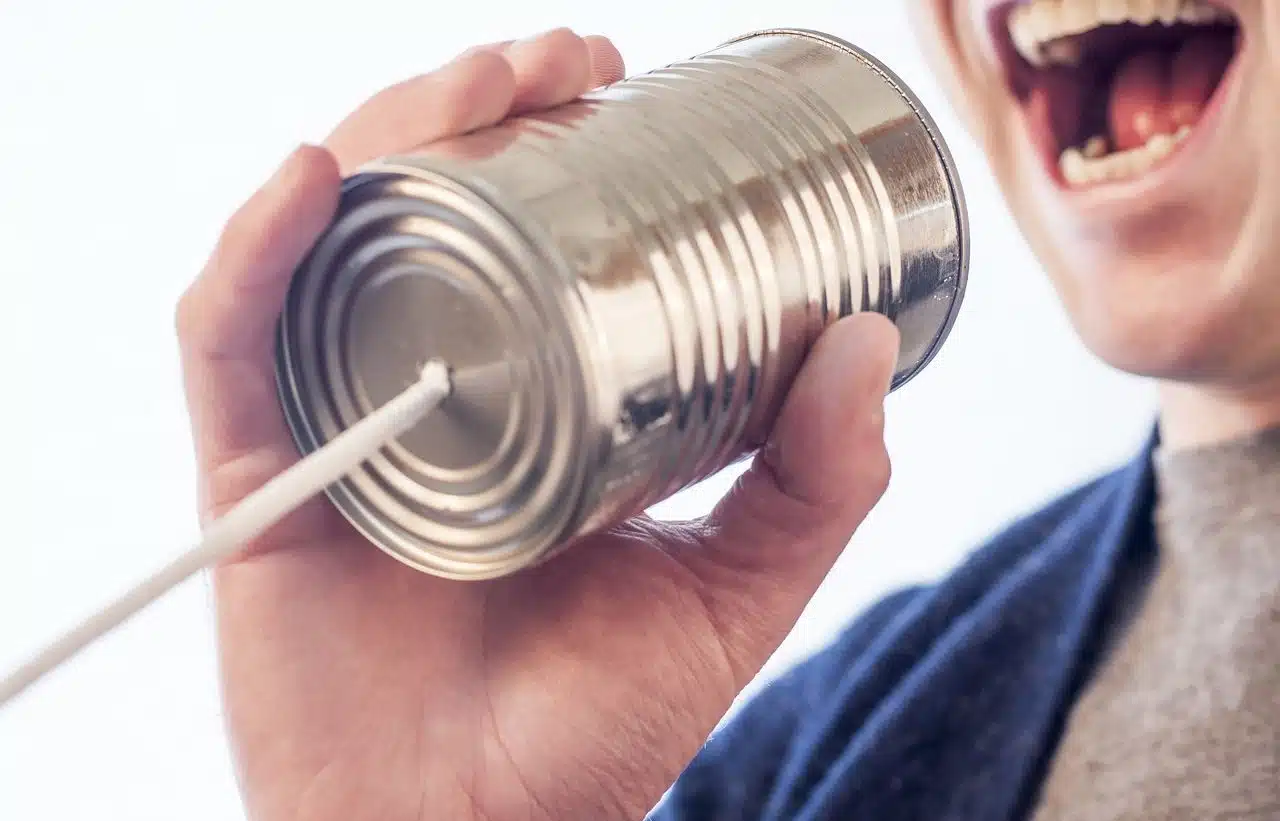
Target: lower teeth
[1092,164]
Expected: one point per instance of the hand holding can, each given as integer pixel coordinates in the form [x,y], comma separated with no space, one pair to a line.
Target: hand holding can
[577,688]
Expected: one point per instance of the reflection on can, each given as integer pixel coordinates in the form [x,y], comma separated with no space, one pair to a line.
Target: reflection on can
[624,286]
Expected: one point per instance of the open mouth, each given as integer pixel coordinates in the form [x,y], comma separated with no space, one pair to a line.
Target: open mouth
[1113,88]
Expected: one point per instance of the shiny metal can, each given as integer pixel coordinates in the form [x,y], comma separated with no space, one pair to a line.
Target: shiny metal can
[624,288]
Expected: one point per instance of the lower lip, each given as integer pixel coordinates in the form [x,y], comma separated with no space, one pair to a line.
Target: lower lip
[1163,174]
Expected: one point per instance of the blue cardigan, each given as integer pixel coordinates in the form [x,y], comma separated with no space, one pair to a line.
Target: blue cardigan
[940,702]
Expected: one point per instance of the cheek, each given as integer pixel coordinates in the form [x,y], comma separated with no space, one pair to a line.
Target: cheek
[1268,23]
[1177,292]
[1187,296]
[1033,202]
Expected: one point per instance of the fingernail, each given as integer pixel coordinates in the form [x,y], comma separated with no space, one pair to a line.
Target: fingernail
[850,370]
[865,341]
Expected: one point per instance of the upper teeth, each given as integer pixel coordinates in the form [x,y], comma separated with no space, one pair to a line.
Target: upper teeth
[1039,23]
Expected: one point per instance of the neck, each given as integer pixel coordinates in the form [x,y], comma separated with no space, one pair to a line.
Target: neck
[1193,416]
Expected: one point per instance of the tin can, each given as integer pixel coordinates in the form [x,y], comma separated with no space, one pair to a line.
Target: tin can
[624,287]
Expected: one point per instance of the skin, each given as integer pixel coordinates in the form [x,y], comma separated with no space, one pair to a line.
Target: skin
[1177,284]
[357,688]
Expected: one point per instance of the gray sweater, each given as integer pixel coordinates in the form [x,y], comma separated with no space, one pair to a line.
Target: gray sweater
[1181,721]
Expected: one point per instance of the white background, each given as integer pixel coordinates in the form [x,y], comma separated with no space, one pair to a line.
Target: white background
[130,129]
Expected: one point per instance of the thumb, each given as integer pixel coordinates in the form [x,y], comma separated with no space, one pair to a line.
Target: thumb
[770,542]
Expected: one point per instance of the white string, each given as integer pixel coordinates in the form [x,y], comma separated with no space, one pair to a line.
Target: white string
[249,519]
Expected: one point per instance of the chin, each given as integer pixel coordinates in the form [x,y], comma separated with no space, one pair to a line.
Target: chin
[1175,317]
[1175,340]
[1154,292]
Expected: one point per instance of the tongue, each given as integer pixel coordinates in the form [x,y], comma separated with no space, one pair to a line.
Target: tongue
[1197,69]
[1156,92]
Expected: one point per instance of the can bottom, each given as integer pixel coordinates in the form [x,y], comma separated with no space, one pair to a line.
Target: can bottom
[418,266]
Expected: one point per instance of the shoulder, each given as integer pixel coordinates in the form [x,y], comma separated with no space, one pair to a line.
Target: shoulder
[888,640]
[1013,588]
[889,636]
[1068,518]
[880,689]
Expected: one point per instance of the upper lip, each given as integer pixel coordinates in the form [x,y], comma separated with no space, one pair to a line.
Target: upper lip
[990,18]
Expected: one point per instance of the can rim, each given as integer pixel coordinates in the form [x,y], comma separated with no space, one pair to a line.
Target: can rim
[490,562]
[945,155]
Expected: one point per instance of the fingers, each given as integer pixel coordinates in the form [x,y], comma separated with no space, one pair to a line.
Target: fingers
[230,310]
[549,69]
[606,61]
[473,91]
[554,68]
[480,88]
[825,464]
[227,318]
[771,541]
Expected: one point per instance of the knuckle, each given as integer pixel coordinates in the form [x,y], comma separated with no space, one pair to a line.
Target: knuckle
[226,484]
[192,305]
[567,52]
[876,467]
[879,470]
[490,47]
[483,66]
[778,507]
[559,51]
[237,232]
[315,162]
[564,40]
[483,74]
[186,315]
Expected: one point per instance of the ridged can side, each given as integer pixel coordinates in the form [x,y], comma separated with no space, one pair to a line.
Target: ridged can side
[624,286]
